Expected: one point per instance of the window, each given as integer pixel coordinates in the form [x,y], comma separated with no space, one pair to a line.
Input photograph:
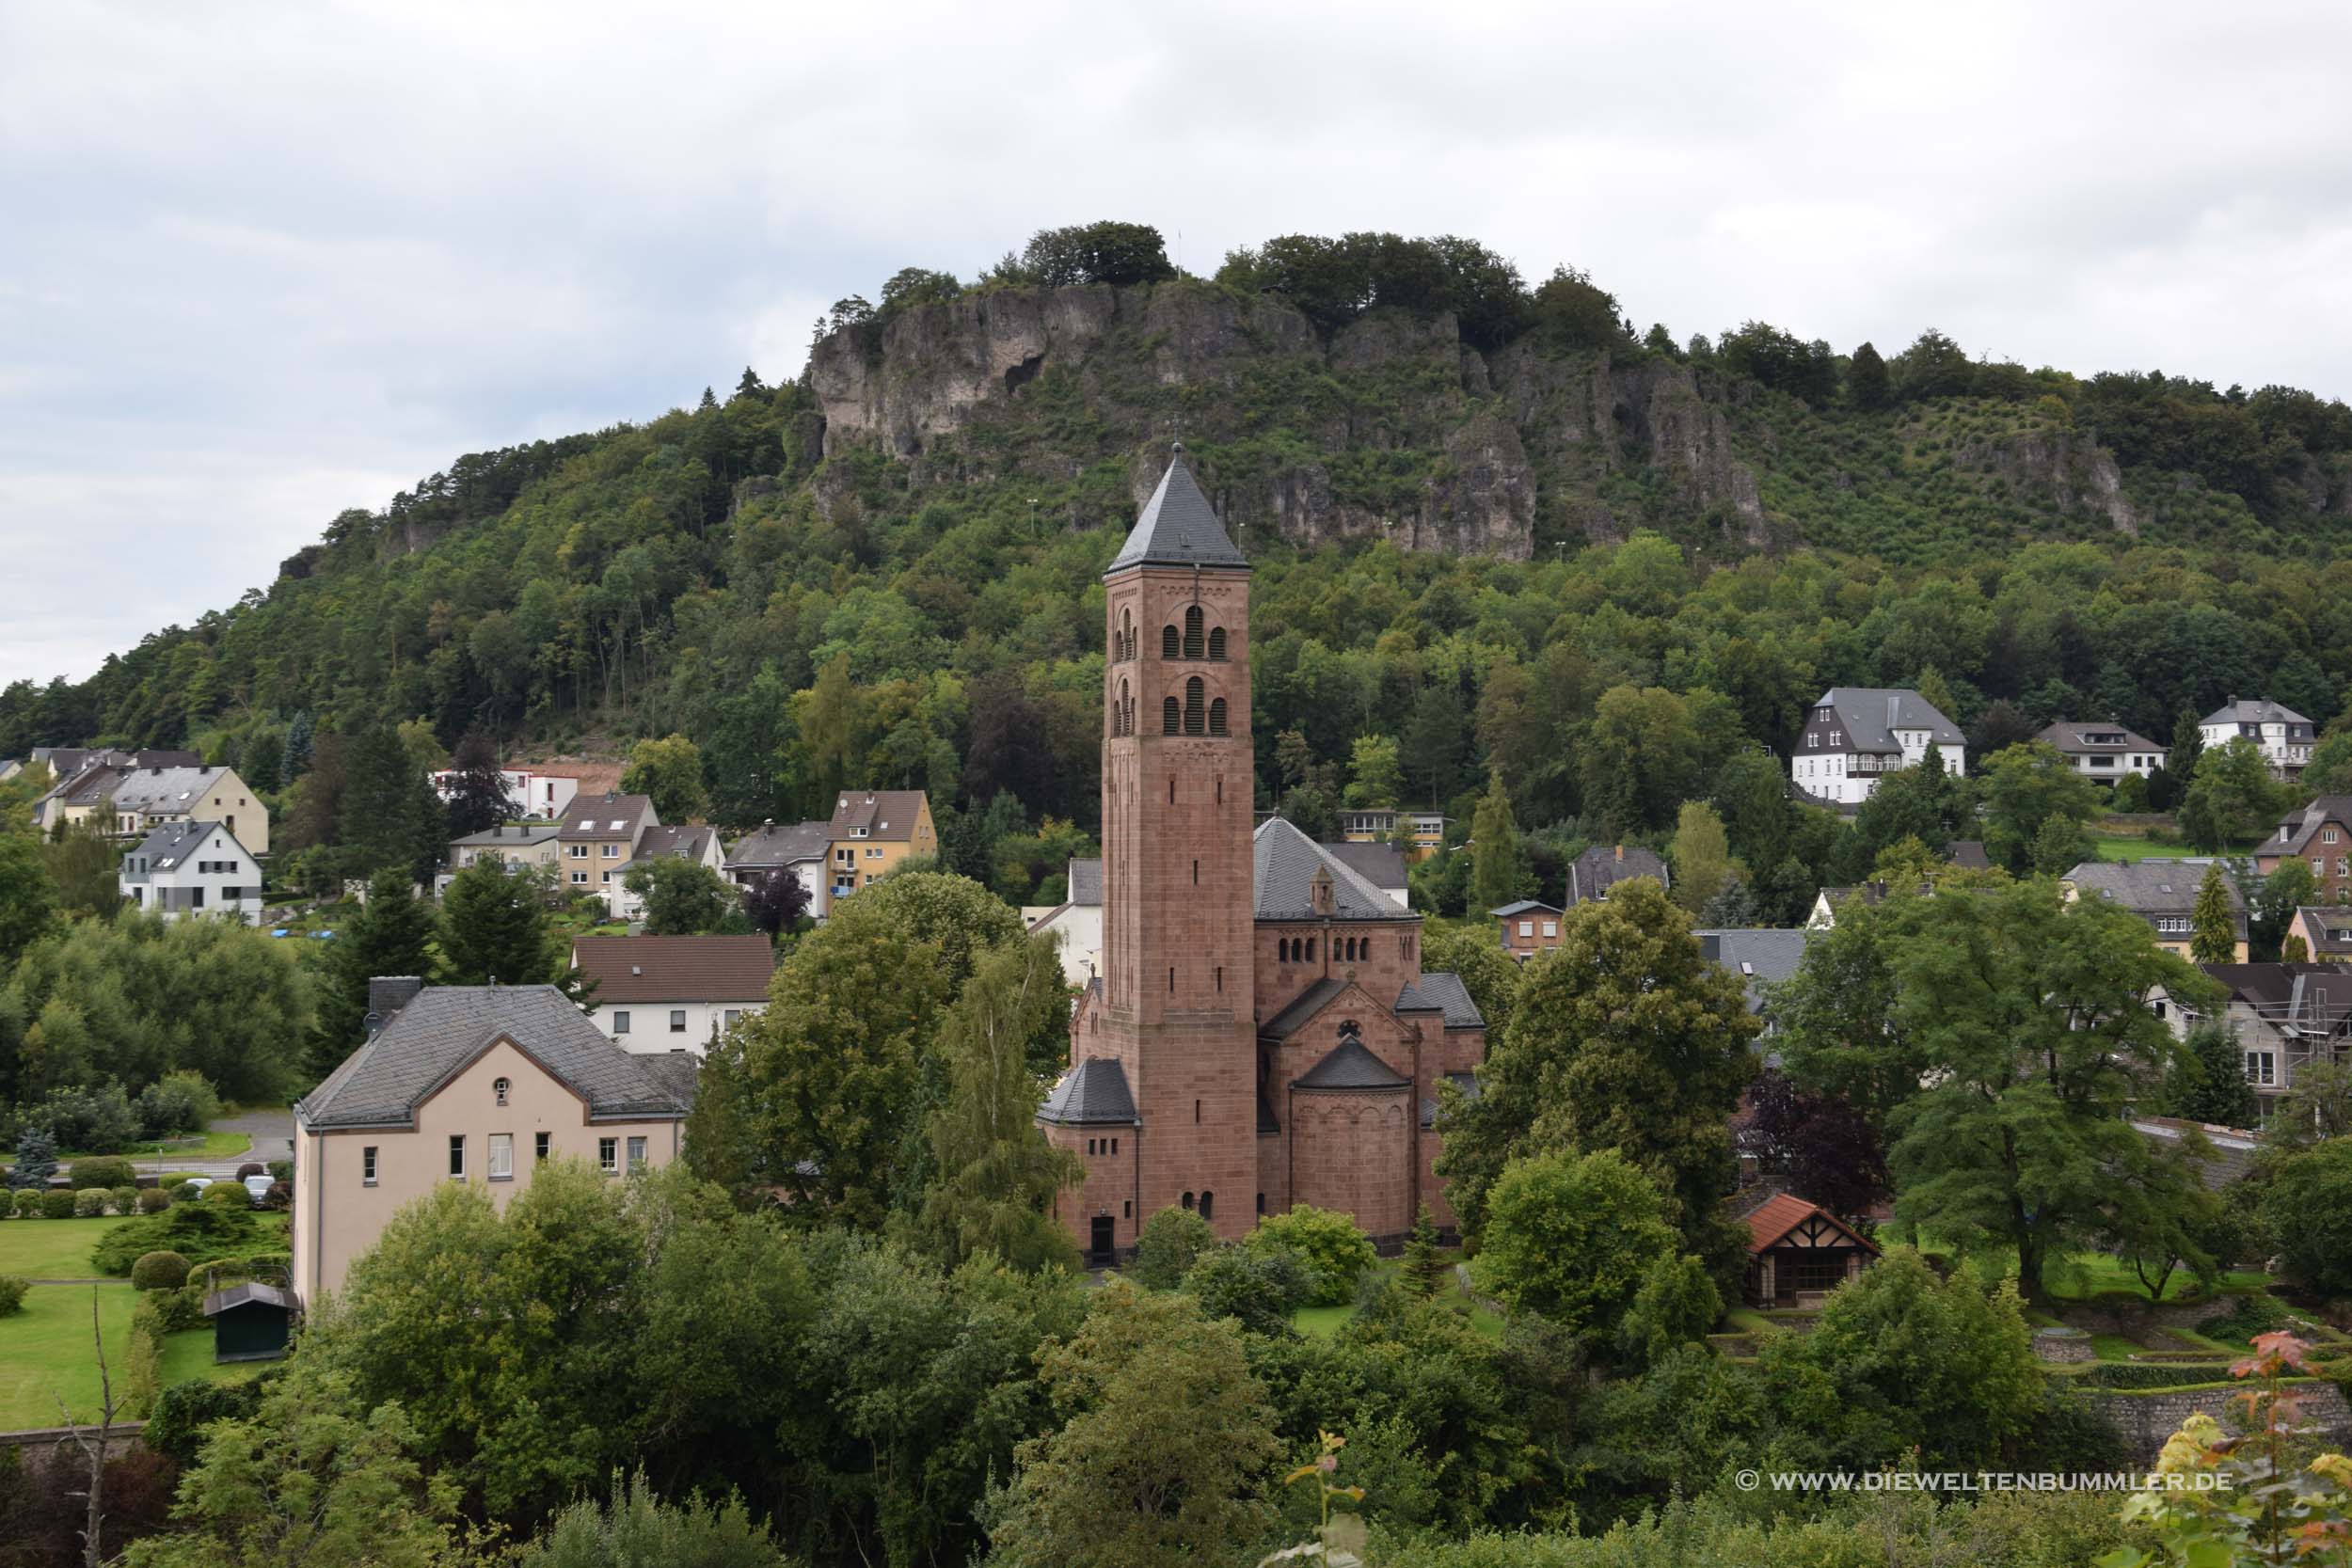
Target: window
[579,879]
[1127,1209]
[1812,740]
[611,851]
[1114,1145]
[1527,928]
[734,1017]
[1208,1205]
[1192,631]
[1172,717]
[502,1156]
[1551,927]
[1216,641]
[1168,641]
[1835,736]
[458,1156]
[541,1146]
[1090,1146]
[1216,717]
[1187,1200]
[637,1153]
[499,1087]
[2261,1067]
[677,1021]
[2319,866]
[620,1023]
[1196,706]
[2327,835]
[367,1166]
[609,1155]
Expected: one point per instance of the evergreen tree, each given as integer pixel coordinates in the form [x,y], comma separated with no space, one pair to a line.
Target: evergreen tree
[392,935]
[1493,850]
[2213,924]
[494,930]
[477,796]
[1867,385]
[2294,950]
[2207,1081]
[297,758]
[36,1158]
[81,858]
[751,386]
[391,816]
[1425,1268]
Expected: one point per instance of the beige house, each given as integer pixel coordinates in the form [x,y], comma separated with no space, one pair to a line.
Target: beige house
[871,832]
[509,844]
[472,1083]
[151,797]
[599,838]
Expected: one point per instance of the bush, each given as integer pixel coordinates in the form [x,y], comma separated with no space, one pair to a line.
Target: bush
[1570,1237]
[219,1274]
[179,1104]
[2155,1375]
[278,1196]
[171,1312]
[184,1410]
[142,1369]
[1332,1250]
[89,1203]
[196,1232]
[12,1294]
[1259,1288]
[57,1204]
[271,1268]
[107,1171]
[252,1168]
[173,1181]
[159,1271]
[2247,1316]
[281,1170]
[123,1199]
[228,1195]
[153,1201]
[86,1119]
[183,1192]
[1169,1245]
[26,1203]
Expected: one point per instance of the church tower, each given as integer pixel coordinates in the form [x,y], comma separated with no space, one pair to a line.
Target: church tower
[1174,1006]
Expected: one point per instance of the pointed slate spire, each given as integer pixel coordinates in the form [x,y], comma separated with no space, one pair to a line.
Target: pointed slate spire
[1177,527]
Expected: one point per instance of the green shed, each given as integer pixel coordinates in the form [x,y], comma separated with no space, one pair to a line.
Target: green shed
[250,1322]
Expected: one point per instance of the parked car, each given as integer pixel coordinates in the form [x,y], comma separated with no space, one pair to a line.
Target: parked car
[197,1184]
[258,1186]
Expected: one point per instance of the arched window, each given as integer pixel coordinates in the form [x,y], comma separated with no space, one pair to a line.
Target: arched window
[1347,950]
[1187,1200]
[1216,641]
[1168,641]
[1194,715]
[1192,631]
[1282,950]
[1310,949]
[1172,717]
[1208,1205]
[1216,717]
[1126,634]
[1123,715]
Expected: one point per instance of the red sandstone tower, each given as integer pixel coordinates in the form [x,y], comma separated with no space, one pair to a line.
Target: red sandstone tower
[1162,1102]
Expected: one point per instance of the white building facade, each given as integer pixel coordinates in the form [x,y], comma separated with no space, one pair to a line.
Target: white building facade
[1856,736]
[185,870]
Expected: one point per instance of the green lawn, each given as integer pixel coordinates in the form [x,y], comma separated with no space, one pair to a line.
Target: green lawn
[215,1146]
[1322,1322]
[51,1249]
[46,1355]
[2113,847]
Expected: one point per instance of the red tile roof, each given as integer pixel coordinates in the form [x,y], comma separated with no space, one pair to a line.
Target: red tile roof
[1777,1215]
[676,969]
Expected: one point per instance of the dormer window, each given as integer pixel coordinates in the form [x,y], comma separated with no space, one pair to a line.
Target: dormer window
[499,1087]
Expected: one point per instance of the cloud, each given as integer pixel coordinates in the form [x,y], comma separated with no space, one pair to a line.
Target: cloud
[264,262]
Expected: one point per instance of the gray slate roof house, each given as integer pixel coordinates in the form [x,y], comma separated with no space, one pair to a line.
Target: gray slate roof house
[1760,956]
[1177,526]
[777,846]
[1350,1064]
[1866,718]
[2297,827]
[1604,866]
[2162,892]
[438,1030]
[2250,714]
[1444,994]
[686,841]
[1093,1093]
[1381,864]
[1086,881]
[1284,864]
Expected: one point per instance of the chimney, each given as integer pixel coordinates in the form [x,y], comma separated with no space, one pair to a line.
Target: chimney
[1620,854]
[387,994]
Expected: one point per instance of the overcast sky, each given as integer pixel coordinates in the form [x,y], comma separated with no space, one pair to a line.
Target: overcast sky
[259,264]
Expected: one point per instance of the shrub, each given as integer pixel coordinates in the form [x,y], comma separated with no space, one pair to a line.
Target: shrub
[89,1203]
[179,1104]
[153,1201]
[108,1171]
[281,1170]
[271,1268]
[229,1194]
[183,1192]
[57,1204]
[2247,1316]
[159,1271]
[184,1410]
[172,1311]
[88,1119]
[26,1203]
[1330,1247]
[2155,1375]
[1259,1288]
[123,1199]
[1570,1237]
[1169,1245]
[196,1232]
[279,1196]
[219,1274]
[12,1294]
[173,1181]
[252,1168]
[142,1369]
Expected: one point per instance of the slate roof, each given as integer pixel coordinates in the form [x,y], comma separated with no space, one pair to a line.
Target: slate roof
[1351,1066]
[679,1072]
[1604,865]
[1758,955]
[1086,881]
[1969,852]
[1282,869]
[1381,864]
[1090,1094]
[1177,527]
[2253,710]
[2305,998]
[682,841]
[2085,739]
[1871,715]
[164,848]
[2232,1147]
[888,815]
[1522,907]
[2318,926]
[676,969]
[2152,887]
[2297,828]
[521,838]
[165,790]
[1448,995]
[606,816]
[246,1295]
[1305,1006]
[778,844]
[444,1028]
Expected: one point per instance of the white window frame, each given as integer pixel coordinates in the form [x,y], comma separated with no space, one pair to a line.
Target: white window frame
[367,1166]
[677,1021]
[2261,1069]
[637,1147]
[619,1020]
[608,1156]
[458,1156]
[502,1157]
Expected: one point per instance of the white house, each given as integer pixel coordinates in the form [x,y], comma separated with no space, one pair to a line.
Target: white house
[192,869]
[1857,735]
[659,994]
[690,841]
[1077,921]
[796,849]
[2103,752]
[2282,736]
[529,792]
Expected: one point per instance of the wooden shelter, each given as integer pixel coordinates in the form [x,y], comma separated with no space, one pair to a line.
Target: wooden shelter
[1798,1252]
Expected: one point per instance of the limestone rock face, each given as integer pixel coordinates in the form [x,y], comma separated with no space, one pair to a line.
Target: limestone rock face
[2071,473]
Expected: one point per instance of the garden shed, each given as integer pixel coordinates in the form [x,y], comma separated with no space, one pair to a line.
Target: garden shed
[250,1322]
[1798,1252]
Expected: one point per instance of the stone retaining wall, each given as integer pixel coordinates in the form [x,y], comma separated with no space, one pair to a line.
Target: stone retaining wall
[2147,1419]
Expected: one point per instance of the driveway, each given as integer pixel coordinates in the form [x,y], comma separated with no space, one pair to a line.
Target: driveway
[272,1131]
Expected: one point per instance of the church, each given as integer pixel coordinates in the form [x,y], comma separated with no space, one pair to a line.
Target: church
[1261,1033]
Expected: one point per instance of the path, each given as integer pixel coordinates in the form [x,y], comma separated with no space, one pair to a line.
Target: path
[271,1129]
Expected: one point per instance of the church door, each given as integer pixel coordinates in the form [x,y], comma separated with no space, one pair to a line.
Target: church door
[1105,1245]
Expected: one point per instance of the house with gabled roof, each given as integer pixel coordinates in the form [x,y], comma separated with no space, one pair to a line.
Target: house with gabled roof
[694,842]
[1077,922]
[1855,735]
[599,838]
[795,850]
[147,798]
[2161,892]
[871,832]
[2283,736]
[1798,1251]
[659,994]
[1593,873]
[478,1084]
[2103,751]
[183,870]
[1528,926]
[2319,832]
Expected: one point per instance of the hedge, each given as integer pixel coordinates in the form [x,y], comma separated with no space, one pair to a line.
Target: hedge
[2164,1374]
[90,1202]
[159,1271]
[153,1201]
[57,1204]
[281,1170]
[123,1200]
[228,1195]
[107,1171]
[26,1204]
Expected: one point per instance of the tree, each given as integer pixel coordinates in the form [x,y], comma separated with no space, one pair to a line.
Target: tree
[477,800]
[2272,908]
[81,858]
[1702,856]
[635,1528]
[1900,1359]
[670,773]
[1570,1236]
[1162,1449]
[1493,850]
[1866,383]
[680,897]
[1489,974]
[1436,738]
[1675,1305]
[391,935]
[1425,1268]
[1625,1037]
[28,901]
[1109,252]
[997,1176]
[2309,1209]
[2213,921]
[2231,800]
[1374,778]
[389,815]
[1261,1290]
[36,1158]
[2033,1035]
[494,930]
[1169,1245]
[1327,1244]
[1829,1151]
[775,902]
[2026,787]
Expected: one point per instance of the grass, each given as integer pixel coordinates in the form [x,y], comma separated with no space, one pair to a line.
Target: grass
[2130,847]
[51,1249]
[46,1352]
[216,1146]
[1321,1322]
